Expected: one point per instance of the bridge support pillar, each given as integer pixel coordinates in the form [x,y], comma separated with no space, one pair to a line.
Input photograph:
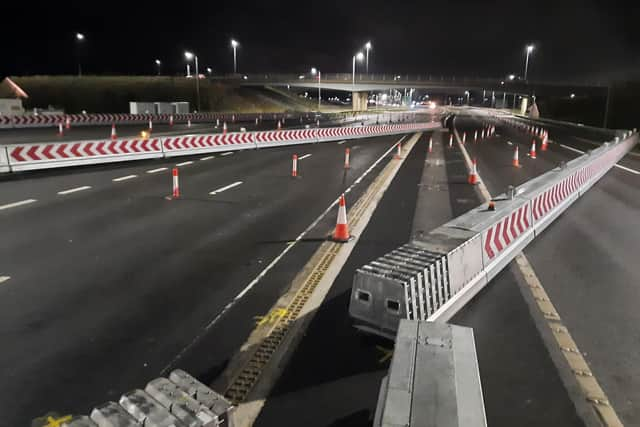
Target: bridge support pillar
[359,101]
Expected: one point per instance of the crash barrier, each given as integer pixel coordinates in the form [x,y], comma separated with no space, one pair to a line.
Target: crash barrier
[177,401]
[434,276]
[31,156]
[433,378]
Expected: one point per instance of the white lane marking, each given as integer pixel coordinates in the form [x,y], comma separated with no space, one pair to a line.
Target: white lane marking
[157,170]
[74,190]
[509,142]
[228,153]
[342,142]
[4,278]
[188,162]
[16,204]
[225,188]
[208,158]
[304,157]
[124,178]
[624,168]
[277,259]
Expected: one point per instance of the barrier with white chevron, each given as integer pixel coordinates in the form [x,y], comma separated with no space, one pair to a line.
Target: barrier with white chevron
[21,157]
[432,277]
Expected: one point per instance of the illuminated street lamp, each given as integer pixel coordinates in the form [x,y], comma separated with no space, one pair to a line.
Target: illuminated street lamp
[529,49]
[368,47]
[79,39]
[234,45]
[315,71]
[467,94]
[359,56]
[209,70]
[189,56]
[512,76]
[158,64]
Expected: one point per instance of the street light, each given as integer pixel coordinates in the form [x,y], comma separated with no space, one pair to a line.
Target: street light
[79,40]
[512,76]
[359,56]
[466,92]
[234,45]
[209,70]
[368,48]
[526,64]
[189,56]
[158,64]
[315,71]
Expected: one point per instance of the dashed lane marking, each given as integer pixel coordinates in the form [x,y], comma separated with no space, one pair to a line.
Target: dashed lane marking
[304,157]
[225,188]
[624,168]
[188,162]
[228,153]
[74,190]
[157,170]
[124,178]
[16,204]
[4,278]
[208,158]
[342,142]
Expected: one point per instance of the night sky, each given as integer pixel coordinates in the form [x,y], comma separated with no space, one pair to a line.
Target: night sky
[574,39]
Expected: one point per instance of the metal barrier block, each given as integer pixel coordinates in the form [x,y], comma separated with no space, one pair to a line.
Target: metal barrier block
[220,406]
[148,411]
[111,414]
[180,404]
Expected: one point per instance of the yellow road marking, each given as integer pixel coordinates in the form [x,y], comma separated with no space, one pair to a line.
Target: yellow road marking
[273,316]
[52,422]
[386,353]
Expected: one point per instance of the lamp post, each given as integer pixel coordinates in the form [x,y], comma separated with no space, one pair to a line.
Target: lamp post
[466,92]
[315,71]
[529,49]
[368,48]
[158,64]
[234,45]
[79,40]
[189,56]
[359,56]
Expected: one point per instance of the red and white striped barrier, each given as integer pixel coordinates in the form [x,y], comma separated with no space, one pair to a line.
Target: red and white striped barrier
[500,235]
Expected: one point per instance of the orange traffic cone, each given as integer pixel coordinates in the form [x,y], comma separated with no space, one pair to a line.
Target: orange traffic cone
[473,175]
[279,125]
[188,123]
[532,153]
[150,125]
[114,135]
[176,186]
[67,123]
[543,145]
[171,120]
[224,128]
[60,129]
[430,145]
[450,141]
[294,166]
[341,233]
[399,152]
[347,154]
[516,161]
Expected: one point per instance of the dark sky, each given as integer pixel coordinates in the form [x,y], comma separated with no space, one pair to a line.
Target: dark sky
[574,39]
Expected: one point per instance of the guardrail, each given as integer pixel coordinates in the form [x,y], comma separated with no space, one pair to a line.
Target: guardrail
[433,277]
[31,156]
[433,379]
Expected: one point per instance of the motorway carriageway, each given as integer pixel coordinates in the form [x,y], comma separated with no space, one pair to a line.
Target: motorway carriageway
[109,280]
[334,374]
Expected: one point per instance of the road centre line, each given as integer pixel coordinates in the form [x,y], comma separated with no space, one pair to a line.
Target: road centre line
[228,153]
[16,204]
[208,158]
[188,162]
[633,171]
[225,188]
[124,178]
[304,157]
[157,170]
[74,190]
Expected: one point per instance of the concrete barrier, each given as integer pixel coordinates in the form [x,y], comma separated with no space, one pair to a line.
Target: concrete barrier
[4,160]
[432,278]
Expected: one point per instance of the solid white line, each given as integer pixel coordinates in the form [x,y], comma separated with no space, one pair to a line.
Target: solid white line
[73,190]
[16,204]
[208,158]
[124,178]
[157,170]
[189,162]
[266,270]
[304,157]
[624,168]
[342,142]
[4,278]
[227,153]
[225,188]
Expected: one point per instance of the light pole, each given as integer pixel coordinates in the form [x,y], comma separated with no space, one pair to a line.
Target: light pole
[79,40]
[368,48]
[529,49]
[158,64]
[466,92]
[234,45]
[359,56]
[315,71]
[190,56]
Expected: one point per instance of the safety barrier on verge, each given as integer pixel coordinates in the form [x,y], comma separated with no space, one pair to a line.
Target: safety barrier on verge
[31,156]
[433,378]
[178,401]
[432,278]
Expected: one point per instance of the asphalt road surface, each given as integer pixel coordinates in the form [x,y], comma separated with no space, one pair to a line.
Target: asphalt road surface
[111,281]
